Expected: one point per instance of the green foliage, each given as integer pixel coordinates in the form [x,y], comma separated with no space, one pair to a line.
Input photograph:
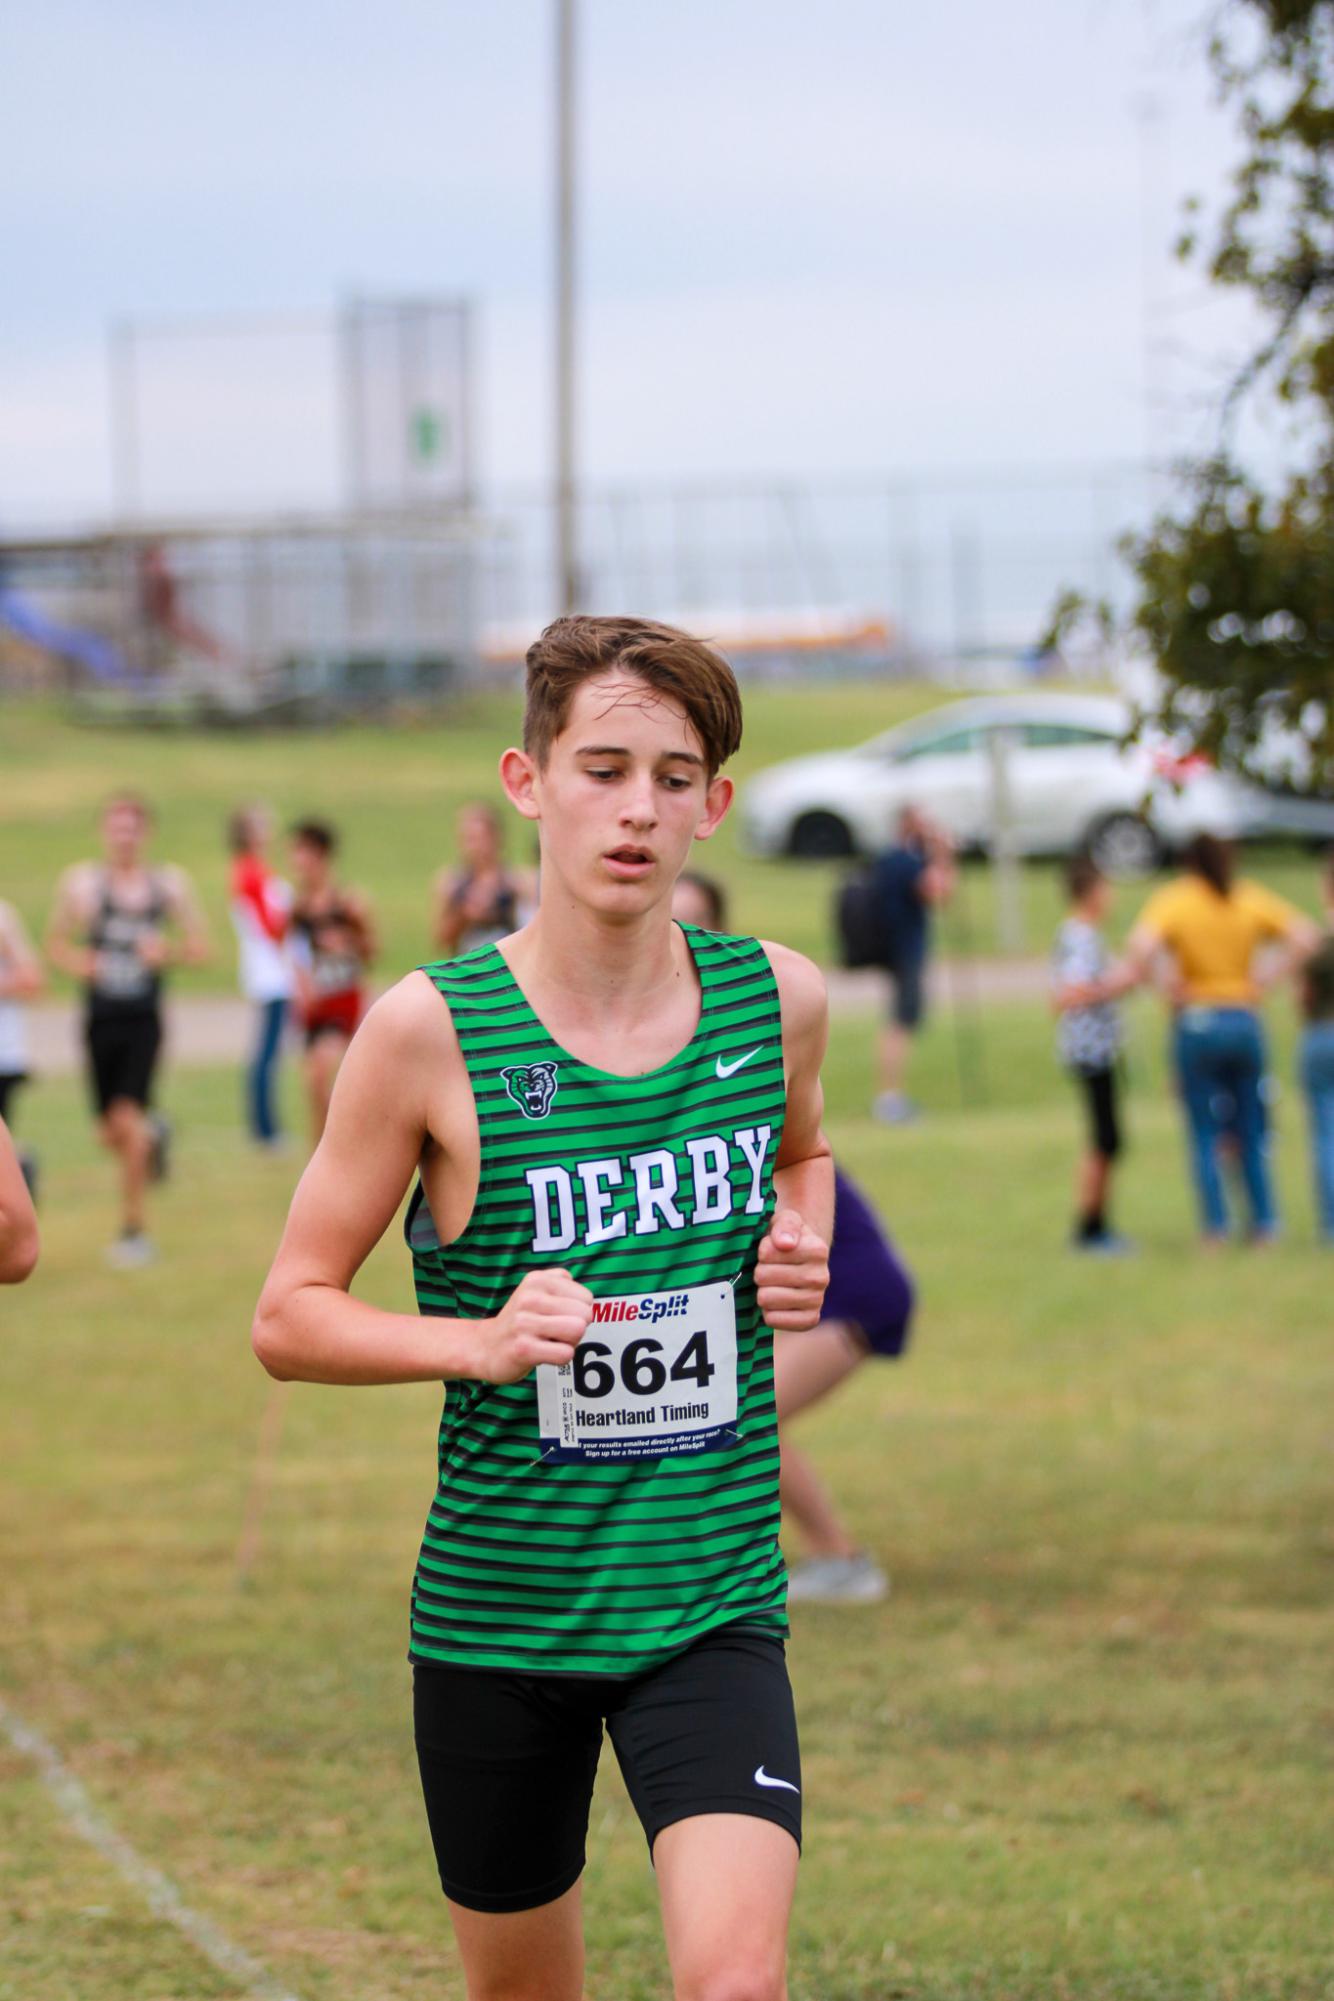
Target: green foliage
[1236,585]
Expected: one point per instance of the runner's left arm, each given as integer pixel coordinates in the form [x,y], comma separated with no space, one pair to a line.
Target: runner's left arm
[792,1269]
[20,968]
[195,947]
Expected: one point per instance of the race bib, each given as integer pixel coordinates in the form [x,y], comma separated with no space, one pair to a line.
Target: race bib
[655,1375]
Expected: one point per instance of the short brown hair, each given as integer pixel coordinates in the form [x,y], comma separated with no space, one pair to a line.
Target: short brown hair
[685,670]
[128,802]
[1082,874]
[317,834]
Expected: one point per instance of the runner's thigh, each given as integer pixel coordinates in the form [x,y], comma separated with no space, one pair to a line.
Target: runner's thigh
[712,1731]
[507,1767]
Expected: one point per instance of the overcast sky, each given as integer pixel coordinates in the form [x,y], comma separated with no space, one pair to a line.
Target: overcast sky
[816,237]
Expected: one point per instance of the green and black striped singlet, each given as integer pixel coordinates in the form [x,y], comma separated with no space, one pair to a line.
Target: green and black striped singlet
[606,1548]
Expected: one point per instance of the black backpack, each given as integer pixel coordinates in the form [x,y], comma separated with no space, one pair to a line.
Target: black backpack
[859,915]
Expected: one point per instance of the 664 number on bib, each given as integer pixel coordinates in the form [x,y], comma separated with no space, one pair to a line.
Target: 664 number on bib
[654,1375]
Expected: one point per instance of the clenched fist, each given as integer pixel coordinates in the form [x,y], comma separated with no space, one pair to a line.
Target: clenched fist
[791,1273]
[543,1320]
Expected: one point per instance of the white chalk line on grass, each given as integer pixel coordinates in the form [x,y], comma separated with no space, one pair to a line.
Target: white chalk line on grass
[158,1891]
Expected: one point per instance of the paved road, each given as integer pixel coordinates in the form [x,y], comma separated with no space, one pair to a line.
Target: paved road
[217,1029]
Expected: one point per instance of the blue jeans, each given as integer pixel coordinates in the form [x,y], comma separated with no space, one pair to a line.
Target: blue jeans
[1220,1061]
[260,1113]
[1317,1071]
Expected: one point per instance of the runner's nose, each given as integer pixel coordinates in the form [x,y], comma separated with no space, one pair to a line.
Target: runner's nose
[639,808]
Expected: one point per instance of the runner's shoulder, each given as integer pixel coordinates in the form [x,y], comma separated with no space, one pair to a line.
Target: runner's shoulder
[79,883]
[801,985]
[411,1022]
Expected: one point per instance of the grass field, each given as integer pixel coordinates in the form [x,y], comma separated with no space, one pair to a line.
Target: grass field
[394,793]
[1081,1752]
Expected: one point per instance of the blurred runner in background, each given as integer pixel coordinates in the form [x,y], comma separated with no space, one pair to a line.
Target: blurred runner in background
[20,979]
[112,928]
[481,900]
[261,905]
[18,1221]
[333,943]
[867,1312]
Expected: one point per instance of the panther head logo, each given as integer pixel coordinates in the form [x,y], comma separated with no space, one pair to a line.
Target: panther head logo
[532,1087]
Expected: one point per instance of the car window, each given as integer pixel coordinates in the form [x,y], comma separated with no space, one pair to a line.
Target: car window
[1062,736]
[951,745]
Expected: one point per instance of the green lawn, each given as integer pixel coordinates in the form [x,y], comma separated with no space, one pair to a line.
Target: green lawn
[394,792]
[1081,1752]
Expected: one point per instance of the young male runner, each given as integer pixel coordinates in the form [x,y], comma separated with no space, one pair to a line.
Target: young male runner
[111,929]
[617,1128]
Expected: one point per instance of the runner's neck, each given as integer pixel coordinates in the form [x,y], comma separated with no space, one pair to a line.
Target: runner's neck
[616,976]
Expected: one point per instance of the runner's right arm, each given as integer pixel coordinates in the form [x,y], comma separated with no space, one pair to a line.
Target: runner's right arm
[307,1326]
[20,968]
[69,916]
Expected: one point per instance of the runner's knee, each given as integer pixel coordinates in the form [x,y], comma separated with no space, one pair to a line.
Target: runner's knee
[740,1978]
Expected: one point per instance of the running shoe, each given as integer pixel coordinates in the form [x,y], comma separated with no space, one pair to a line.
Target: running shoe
[131,1249]
[1107,1244]
[894,1108]
[838,1580]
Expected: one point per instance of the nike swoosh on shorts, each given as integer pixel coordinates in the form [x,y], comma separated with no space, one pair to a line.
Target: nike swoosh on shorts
[726,1069]
[762,1779]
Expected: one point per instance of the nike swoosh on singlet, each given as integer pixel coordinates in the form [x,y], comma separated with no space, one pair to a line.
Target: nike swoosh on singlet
[761,1776]
[726,1069]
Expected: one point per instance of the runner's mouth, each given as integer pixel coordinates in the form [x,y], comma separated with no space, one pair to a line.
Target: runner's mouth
[629,860]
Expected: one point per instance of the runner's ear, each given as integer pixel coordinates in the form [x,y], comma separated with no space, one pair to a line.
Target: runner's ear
[716,802]
[517,774]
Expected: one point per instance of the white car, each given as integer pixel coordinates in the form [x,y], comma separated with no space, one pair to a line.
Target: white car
[1072,781]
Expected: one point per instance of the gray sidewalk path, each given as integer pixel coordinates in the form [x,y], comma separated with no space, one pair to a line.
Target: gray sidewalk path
[204,1029]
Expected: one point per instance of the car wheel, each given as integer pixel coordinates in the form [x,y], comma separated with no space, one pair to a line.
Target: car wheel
[1124,844]
[817,836]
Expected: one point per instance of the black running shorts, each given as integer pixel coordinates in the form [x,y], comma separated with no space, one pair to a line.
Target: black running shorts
[1100,1097]
[508,1760]
[122,1056]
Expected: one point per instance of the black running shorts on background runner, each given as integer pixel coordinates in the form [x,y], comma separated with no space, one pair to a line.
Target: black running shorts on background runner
[122,1055]
[508,1760]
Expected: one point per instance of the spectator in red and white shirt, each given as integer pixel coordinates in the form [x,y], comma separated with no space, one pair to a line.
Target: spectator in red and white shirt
[261,905]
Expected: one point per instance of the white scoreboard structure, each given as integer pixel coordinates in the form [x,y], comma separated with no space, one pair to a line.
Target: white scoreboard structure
[365,409]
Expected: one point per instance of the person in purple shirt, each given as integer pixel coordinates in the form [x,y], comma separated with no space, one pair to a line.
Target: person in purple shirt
[867,1312]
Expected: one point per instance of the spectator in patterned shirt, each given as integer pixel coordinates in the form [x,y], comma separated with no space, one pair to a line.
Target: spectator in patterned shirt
[1089,1037]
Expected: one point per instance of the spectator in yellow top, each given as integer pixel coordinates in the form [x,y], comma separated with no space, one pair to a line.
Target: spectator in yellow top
[1212,928]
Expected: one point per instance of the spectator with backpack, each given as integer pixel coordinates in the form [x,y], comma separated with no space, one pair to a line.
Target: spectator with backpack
[912,877]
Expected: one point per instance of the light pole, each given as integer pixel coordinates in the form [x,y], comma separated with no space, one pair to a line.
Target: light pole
[567,553]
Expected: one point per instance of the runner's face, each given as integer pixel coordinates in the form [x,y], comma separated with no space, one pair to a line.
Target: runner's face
[479,839]
[123,835]
[623,794]
[310,865]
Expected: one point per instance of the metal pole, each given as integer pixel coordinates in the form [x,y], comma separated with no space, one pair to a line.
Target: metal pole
[1004,852]
[567,554]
